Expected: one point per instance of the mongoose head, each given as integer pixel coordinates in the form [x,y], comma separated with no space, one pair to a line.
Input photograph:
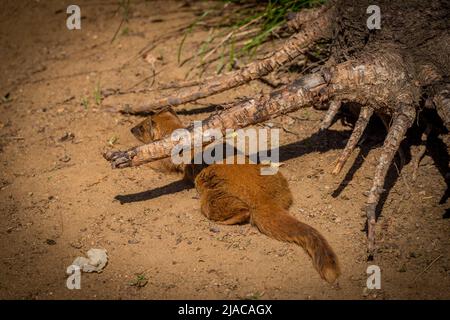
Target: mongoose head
[157,126]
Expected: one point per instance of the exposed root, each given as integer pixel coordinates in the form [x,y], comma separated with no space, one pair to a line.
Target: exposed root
[402,121]
[304,17]
[442,102]
[295,46]
[333,109]
[369,81]
[361,124]
[300,93]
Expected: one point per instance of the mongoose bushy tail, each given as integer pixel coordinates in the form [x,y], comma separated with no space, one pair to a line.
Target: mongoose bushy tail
[277,223]
[263,200]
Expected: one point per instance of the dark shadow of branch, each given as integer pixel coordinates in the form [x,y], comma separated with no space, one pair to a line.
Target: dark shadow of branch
[172,187]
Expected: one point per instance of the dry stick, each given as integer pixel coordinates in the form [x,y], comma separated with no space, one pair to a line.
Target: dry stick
[132,89]
[301,19]
[387,122]
[299,94]
[416,161]
[240,37]
[152,76]
[428,267]
[228,36]
[364,116]
[295,46]
[118,29]
[179,84]
[153,44]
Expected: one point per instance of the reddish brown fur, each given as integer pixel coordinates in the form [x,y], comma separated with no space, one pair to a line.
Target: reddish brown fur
[263,200]
[156,127]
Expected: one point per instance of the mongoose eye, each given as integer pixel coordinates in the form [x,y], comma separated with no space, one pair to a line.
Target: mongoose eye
[136,130]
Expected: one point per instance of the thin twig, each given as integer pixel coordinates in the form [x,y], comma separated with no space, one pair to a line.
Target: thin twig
[428,267]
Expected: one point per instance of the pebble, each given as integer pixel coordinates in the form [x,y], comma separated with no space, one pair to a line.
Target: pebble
[76,245]
[214,229]
[50,242]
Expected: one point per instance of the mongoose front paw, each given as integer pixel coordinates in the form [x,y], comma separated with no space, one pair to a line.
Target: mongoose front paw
[118,159]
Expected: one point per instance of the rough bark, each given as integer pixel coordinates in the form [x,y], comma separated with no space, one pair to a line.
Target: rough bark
[389,72]
[401,123]
[361,124]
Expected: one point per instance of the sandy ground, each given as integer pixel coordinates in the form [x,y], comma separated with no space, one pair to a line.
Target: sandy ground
[59,197]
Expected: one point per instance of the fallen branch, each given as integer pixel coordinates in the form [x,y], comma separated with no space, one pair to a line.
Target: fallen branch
[294,47]
[300,93]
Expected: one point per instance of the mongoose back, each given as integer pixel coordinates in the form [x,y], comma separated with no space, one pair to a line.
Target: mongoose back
[262,200]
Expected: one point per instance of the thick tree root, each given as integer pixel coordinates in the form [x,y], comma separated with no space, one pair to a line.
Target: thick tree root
[402,121]
[295,46]
[300,93]
[361,124]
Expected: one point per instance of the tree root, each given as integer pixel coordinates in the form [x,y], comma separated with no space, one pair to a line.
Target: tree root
[305,17]
[442,102]
[300,93]
[402,121]
[361,124]
[295,46]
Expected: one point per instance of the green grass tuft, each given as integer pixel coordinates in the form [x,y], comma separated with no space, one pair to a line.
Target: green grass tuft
[258,20]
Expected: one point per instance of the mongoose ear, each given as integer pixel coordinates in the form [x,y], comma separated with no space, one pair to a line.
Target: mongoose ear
[170,109]
[167,109]
[137,131]
[143,129]
[168,114]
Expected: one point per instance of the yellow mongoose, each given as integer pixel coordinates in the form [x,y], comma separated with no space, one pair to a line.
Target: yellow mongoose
[263,200]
